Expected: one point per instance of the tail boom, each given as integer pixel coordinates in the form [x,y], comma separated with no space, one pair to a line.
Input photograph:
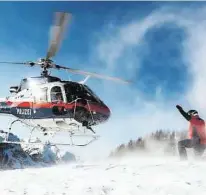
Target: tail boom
[5,106]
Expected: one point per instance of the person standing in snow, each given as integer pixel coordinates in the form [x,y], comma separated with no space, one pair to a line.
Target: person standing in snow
[196,134]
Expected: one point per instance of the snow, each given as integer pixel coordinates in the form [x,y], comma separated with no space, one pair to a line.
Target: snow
[19,156]
[155,171]
[128,176]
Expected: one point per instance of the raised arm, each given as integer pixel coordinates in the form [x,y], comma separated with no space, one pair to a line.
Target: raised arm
[186,116]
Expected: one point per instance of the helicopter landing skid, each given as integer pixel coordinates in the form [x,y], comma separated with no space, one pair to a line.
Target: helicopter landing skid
[45,131]
[50,143]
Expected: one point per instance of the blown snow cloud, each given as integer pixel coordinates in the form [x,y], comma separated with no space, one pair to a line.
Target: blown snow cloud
[138,116]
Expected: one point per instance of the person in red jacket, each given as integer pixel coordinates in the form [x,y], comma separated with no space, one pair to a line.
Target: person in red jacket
[196,134]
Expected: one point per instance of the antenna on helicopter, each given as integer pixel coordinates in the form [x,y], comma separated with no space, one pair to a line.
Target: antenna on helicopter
[61,20]
[85,80]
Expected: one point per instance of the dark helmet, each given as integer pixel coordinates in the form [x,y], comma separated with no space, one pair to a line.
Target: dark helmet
[192,112]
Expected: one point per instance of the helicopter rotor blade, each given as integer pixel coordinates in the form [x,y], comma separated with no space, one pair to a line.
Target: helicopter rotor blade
[25,63]
[92,74]
[57,30]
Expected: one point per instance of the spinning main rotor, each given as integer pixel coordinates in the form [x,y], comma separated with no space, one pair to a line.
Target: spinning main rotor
[61,20]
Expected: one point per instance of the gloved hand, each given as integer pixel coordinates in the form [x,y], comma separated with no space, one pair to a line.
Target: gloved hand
[178,107]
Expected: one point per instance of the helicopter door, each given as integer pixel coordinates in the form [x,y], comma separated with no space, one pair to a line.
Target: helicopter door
[57,99]
[39,95]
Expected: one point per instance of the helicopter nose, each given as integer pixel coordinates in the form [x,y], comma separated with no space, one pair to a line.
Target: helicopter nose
[101,112]
[107,111]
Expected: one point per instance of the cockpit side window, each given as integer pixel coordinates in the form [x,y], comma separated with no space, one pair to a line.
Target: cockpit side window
[56,94]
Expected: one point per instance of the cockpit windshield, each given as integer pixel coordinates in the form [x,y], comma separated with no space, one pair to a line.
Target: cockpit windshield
[74,90]
[91,92]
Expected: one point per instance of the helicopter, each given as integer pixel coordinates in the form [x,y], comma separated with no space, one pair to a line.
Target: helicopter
[52,105]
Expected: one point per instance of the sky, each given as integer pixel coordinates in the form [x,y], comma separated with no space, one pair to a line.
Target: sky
[160,46]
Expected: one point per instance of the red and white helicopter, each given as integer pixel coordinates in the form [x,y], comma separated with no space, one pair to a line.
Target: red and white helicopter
[50,104]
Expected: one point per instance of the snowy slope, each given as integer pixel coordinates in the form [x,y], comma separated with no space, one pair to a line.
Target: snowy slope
[144,176]
[18,156]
